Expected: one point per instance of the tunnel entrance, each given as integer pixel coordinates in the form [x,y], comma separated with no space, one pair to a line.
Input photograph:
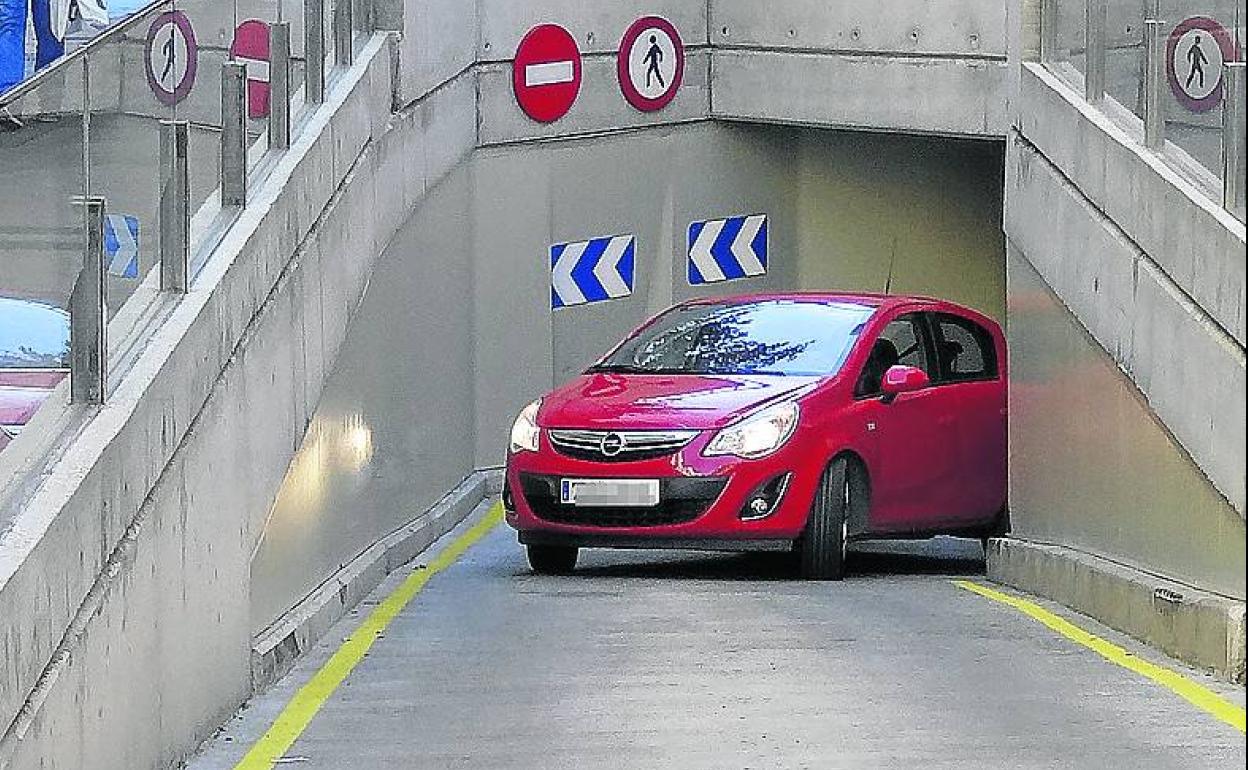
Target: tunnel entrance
[461,301]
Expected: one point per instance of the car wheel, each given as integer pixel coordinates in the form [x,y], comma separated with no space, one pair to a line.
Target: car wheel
[822,547]
[552,559]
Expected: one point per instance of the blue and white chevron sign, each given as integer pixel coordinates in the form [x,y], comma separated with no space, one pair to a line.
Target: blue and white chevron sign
[591,271]
[727,249]
[121,245]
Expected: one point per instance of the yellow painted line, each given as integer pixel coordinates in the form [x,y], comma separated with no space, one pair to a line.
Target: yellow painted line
[294,719]
[1199,696]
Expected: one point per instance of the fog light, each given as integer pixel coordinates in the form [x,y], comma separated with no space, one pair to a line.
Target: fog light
[764,501]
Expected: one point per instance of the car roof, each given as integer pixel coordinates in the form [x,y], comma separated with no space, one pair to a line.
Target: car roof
[866,299]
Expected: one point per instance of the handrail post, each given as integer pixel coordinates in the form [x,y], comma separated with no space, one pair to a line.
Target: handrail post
[1154,83]
[233,134]
[1094,51]
[1049,36]
[1233,114]
[279,85]
[175,210]
[314,50]
[88,327]
[344,52]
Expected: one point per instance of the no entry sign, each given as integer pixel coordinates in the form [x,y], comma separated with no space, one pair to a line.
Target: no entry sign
[650,63]
[546,73]
[1195,52]
[251,47]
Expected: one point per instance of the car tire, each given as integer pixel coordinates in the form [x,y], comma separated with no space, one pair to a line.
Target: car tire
[552,559]
[821,550]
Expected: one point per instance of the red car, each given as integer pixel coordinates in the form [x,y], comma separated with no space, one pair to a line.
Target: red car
[34,358]
[785,422]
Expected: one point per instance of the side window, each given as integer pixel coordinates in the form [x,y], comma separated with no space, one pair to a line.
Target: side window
[900,342]
[964,349]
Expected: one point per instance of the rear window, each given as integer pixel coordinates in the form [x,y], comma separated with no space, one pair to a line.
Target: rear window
[964,349]
[33,335]
[777,337]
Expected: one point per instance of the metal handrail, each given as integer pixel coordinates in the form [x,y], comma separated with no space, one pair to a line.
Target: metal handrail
[104,38]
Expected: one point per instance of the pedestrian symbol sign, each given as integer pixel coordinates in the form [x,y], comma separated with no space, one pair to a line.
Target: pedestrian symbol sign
[1195,52]
[650,63]
[172,57]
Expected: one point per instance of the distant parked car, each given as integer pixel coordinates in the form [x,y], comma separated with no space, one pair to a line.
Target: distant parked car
[34,358]
[789,422]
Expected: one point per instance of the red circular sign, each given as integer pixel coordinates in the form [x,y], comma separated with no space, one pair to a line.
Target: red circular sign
[1195,52]
[251,47]
[546,74]
[650,63]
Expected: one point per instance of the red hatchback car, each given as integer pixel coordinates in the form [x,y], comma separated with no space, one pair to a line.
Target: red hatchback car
[786,422]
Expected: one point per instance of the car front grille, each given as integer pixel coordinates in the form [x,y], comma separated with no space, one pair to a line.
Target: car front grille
[605,446]
[681,500]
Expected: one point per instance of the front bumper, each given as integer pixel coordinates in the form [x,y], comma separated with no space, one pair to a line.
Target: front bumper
[703,500]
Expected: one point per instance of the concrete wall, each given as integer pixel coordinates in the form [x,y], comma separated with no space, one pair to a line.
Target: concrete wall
[933,67]
[1127,328]
[928,67]
[127,572]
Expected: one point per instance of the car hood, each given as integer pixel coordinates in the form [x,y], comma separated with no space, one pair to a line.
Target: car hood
[661,401]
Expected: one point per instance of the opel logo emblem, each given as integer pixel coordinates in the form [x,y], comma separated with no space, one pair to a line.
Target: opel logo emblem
[612,444]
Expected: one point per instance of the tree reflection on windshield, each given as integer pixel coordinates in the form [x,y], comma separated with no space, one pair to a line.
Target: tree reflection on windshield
[781,337]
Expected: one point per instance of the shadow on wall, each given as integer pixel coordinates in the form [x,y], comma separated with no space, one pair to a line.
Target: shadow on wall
[918,215]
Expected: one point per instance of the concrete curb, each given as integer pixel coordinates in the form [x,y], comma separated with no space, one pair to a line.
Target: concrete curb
[1200,628]
[276,648]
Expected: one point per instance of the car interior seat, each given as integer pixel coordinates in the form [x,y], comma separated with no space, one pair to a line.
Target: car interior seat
[948,350]
[883,355]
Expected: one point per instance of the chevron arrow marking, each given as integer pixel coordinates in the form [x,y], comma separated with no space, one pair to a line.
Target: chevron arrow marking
[607,271]
[700,252]
[561,279]
[591,271]
[743,245]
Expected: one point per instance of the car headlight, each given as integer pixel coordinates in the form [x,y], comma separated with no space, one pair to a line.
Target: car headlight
[524,432]
[758,435]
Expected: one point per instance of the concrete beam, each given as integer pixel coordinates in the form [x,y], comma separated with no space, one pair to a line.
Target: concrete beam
[887,92]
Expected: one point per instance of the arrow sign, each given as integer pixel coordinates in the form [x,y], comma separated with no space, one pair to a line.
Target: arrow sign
[121,245]
[591,271]
[727,249]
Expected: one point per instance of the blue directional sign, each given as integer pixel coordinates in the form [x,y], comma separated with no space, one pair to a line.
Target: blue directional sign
[727,249]
[591,271]
[121,245]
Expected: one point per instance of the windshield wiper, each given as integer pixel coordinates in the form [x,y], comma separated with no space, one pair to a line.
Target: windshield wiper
[627,369]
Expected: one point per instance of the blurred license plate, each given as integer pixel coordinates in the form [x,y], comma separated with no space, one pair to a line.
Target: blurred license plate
[603,493]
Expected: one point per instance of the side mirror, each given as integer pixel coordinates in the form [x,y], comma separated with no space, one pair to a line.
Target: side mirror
[903,379]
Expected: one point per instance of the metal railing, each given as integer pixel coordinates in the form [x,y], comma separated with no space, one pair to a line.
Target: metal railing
[107,163]
[1175,64]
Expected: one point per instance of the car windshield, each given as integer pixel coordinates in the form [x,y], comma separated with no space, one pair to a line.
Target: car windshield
[33,335]
[779,337]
